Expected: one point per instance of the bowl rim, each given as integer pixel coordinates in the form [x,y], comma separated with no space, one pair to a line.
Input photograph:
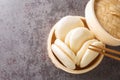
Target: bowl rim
[60,66]
[100,26]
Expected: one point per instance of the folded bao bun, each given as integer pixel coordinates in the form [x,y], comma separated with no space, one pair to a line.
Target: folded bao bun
[77,37]
[63,26]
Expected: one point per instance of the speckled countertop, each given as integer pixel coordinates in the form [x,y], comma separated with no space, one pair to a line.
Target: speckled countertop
[24,28]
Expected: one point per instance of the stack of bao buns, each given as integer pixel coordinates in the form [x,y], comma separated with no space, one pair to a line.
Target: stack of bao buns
[70,45]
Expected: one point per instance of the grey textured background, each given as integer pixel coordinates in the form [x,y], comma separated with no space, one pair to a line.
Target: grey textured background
[24,28]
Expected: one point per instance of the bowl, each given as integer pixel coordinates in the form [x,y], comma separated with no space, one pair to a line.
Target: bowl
[57,63]
[96,27]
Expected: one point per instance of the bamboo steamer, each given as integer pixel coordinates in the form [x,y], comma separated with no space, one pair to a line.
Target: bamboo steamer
[58,64]
[97,28]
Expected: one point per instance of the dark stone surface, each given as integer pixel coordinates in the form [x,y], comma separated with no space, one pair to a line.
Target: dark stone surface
[24,28]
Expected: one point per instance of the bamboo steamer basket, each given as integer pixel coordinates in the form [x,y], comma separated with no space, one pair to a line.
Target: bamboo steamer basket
[97,28]
[58,64]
